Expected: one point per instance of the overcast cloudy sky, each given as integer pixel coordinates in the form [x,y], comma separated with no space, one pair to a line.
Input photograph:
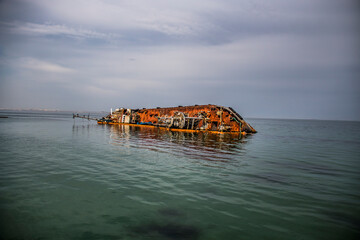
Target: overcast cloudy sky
[277,59]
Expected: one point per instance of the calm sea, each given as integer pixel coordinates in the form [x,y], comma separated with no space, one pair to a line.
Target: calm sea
[66,179]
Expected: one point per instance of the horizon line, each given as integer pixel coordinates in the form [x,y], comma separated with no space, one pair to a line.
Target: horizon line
[100,111]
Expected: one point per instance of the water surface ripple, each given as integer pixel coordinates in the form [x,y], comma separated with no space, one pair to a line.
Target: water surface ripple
[66,179]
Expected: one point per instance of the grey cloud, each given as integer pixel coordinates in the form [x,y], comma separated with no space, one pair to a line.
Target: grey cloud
[296,59]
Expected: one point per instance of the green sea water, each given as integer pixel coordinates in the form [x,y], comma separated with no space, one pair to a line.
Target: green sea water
[66,179]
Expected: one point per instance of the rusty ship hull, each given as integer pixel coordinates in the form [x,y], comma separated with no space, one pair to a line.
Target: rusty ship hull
[211,118]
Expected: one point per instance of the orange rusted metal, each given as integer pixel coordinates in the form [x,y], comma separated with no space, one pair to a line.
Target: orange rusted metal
[210,117]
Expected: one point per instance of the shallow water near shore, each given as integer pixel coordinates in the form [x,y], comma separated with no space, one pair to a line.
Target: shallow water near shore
[66,179]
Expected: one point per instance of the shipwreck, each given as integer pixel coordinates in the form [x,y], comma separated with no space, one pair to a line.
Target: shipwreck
[210,118]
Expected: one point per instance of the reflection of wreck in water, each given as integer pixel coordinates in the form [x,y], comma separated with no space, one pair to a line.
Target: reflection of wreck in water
[196,145]
[197,118]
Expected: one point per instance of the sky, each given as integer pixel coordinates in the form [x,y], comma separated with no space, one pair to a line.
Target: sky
[267,59]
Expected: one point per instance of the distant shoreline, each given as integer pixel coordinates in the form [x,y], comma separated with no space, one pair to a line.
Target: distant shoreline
[50,110]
